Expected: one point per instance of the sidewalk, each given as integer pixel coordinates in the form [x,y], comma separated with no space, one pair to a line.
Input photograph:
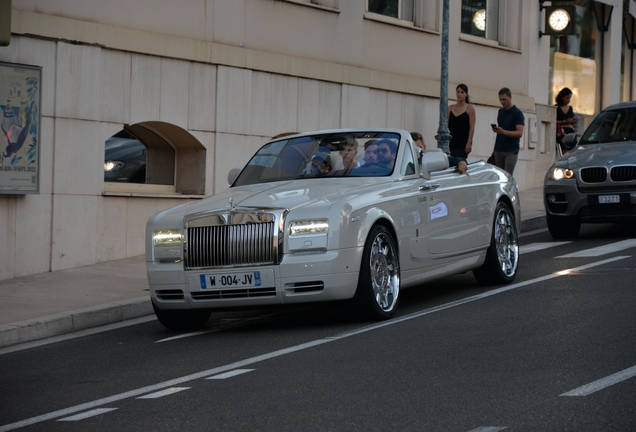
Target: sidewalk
[56,303]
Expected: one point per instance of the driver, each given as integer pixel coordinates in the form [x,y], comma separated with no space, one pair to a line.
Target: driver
[386,153]
[370,155]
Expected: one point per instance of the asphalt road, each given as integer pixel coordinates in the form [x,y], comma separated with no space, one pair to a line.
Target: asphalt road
[553,351]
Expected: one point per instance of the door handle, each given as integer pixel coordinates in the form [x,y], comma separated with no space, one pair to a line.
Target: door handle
[429,187]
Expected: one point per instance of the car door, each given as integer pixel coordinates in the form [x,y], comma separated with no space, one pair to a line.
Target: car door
[413,222]
[454,213]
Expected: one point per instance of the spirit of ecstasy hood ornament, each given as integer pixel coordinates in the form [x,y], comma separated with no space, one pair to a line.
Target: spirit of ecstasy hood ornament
[232,206]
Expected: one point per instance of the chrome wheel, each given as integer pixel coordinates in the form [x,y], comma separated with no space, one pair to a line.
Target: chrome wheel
[506,243]
[502,256]
[378,291]
[384,272]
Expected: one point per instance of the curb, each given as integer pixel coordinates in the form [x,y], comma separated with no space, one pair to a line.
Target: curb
[82,319]
[532,224]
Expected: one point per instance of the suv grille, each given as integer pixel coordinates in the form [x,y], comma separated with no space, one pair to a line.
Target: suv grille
[236,238]
[594,175]
[623,173]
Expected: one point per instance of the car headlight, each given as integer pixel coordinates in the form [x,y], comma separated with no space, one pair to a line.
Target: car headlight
[561,173]
[309,226]
[110,166]
[309,235]
[167,244]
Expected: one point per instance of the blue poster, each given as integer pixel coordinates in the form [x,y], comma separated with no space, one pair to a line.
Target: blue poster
[19,128]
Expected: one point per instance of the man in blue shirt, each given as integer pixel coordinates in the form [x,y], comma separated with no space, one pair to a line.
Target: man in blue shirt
[511,121]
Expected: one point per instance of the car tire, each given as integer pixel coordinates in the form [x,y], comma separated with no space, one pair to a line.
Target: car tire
[182,320]
[378,291]
[502,257]
[563,227]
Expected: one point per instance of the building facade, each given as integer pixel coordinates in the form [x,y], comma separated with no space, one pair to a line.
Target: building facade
[203,83]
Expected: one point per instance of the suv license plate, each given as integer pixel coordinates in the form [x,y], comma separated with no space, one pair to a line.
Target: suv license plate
[606,199]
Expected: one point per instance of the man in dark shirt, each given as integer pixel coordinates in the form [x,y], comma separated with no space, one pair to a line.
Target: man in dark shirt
[510,122]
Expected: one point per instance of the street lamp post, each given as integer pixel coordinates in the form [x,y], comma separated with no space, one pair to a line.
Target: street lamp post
[443,136]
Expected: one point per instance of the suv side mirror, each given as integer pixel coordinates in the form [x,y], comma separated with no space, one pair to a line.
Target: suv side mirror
[570,140]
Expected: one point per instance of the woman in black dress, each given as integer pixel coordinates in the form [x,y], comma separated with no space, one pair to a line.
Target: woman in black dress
[565,116]
[461,123]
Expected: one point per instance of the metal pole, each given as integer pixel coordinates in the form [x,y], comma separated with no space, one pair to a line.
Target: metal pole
[443,136]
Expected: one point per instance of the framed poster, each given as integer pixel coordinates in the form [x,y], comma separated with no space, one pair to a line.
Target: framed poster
[20,100]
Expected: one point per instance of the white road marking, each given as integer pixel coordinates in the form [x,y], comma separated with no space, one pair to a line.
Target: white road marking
[230,374]
[603,383]
[88,414]
[488,429]
[533,247]
[163,393]
[185,335]
[293,349]
[602,250]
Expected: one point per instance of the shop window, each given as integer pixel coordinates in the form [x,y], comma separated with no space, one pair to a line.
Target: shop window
[154,157]
[575,60]
[481,18]
[400,9]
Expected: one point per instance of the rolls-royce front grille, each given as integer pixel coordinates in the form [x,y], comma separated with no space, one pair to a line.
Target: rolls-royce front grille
[623,173]
[594,175]
[230,245]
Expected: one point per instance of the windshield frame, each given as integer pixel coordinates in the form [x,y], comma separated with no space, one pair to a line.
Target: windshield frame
[320,155]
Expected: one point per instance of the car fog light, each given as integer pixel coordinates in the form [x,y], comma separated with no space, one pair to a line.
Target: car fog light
[551,198]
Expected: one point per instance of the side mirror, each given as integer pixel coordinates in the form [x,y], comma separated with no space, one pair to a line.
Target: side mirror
[433,160]
[570,140]
[233,174]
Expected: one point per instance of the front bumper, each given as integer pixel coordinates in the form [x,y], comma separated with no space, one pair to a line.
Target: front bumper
[566,199]
[299,278]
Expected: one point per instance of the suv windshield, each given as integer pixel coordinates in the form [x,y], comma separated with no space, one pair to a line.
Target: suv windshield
[611,126]
[360,154]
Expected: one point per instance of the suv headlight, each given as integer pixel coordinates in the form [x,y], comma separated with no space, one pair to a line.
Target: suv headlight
[166,245]
[113,166]
[561,173]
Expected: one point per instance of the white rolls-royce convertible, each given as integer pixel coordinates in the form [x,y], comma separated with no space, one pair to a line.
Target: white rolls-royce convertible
[355,214]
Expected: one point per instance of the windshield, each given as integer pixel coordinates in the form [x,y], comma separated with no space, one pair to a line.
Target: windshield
[611,126]
[361,154]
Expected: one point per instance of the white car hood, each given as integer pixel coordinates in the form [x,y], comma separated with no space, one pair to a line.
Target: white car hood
[280,195]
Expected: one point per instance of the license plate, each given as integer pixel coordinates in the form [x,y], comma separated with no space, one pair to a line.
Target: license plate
[248,279]
[606,199]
